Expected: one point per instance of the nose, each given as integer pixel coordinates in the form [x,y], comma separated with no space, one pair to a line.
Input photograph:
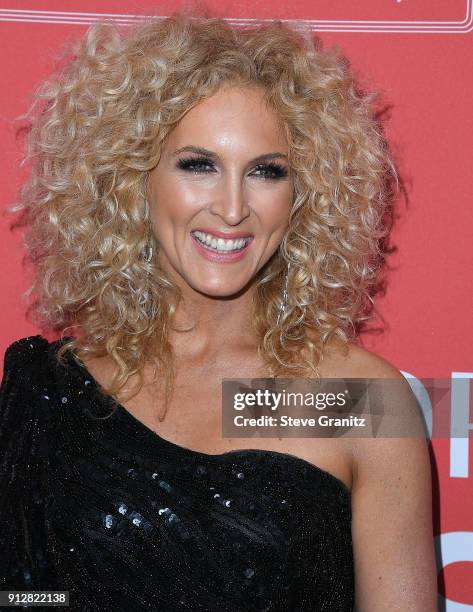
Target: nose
[231,200]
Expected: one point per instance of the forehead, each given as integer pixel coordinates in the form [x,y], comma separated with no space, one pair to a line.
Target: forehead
[233,115]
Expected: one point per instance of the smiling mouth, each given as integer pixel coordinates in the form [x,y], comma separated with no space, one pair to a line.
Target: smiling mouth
[220,245]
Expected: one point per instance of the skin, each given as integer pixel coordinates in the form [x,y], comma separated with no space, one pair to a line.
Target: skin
[389,478]
[234,195]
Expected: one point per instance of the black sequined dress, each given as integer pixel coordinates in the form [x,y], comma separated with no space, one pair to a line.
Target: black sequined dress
[126,520]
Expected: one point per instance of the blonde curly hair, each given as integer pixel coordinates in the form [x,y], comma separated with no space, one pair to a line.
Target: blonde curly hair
[97,128]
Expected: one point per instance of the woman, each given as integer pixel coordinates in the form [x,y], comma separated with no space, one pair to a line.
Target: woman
[204,203]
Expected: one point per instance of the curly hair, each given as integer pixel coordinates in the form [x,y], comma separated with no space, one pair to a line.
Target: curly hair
[98,130]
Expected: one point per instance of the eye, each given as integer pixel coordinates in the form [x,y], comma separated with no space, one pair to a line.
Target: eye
[271,171]
[204,165]
[197,165]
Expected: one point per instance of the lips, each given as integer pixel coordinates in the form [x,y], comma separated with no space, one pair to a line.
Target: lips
[220,250]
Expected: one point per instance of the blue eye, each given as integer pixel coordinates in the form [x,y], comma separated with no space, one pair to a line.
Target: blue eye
[204,165]
[195,164]
[271,171]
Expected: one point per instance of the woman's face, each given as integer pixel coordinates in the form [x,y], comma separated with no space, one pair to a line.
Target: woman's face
[223,179]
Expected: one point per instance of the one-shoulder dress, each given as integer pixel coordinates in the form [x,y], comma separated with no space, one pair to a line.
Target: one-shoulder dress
[126,520]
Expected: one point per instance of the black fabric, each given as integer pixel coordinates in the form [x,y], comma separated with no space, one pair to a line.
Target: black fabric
[126,520]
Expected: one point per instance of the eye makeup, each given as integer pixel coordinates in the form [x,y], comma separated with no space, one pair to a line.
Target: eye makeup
[204,165]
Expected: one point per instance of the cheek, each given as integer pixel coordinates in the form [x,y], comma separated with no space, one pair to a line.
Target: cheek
[173,202]
[275,209]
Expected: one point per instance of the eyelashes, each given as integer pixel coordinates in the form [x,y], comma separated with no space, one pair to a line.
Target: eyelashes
[204,165]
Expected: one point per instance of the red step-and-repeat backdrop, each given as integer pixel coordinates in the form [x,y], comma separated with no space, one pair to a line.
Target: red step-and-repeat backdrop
[419,55]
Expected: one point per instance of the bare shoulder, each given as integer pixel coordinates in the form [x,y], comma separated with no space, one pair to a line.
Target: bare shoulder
[388,390]
[391,393]
[350,360]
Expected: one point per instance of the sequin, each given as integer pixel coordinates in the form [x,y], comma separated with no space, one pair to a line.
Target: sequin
[136,518]
[46,397]
[240,475]
[108,521]
[249,572]
[64,400]
[227,503]
[164,485]
[122,509]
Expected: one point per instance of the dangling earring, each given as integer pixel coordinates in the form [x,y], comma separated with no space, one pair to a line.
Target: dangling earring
[148,252]
[284,302]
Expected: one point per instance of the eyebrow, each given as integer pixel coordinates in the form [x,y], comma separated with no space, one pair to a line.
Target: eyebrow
[214,156]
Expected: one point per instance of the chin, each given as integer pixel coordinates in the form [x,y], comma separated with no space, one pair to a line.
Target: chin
[220,290]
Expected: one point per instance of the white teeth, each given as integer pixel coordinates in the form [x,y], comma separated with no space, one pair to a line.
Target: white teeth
[219,244]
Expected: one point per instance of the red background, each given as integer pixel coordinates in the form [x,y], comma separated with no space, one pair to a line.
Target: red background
[420,56]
